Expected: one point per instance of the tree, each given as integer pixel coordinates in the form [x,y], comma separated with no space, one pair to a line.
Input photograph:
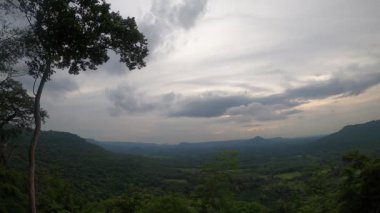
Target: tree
[16,113]
[360,190]
[215,193]
[249,207]
[167,204]
[73,35]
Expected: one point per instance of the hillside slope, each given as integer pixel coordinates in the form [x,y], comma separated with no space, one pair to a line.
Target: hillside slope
[94,171]
[363,137]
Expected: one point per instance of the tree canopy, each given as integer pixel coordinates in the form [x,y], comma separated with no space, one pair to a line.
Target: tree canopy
[16,108]
[77,35]
[16,111]
[73,35]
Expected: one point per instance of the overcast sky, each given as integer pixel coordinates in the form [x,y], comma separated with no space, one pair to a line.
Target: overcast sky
[222,69]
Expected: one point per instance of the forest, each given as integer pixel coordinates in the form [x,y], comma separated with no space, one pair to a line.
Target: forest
[333,173]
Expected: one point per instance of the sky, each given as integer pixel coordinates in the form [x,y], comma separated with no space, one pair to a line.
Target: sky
[222,69]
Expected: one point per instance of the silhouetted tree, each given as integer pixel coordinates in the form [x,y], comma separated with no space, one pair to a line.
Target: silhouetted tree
[73,35]
[16,113]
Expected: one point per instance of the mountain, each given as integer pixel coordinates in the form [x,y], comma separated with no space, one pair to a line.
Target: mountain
[365,137]
[201,151]
[94,172]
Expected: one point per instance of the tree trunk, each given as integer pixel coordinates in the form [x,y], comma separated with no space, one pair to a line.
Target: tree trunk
[33,143]
[3,153]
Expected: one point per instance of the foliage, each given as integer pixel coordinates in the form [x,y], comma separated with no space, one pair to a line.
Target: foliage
[75,176]
[16,107]
[249,207]
[12,191]
[47,46]
[57,195]
[16,113]
[94,30]
[215,191]
[360,190]
[167,204]
[125,203]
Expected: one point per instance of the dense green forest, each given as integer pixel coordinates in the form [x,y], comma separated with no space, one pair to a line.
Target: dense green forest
[334,173]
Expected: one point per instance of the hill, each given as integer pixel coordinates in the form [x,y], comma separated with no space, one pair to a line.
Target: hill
[257,144]
[364,137]
[93,171]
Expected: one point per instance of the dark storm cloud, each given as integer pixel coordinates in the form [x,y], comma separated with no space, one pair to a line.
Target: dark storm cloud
[243,108]
[348,82]
[280,106]
[208,105]
[351,81]
[260,112]
[126,98]
[337,86]
[166,17]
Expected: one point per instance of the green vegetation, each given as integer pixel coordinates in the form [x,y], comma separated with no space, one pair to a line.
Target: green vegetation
[77,176]
[72,35]
[16,114]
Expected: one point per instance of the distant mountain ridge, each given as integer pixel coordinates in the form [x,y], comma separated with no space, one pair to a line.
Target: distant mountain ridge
[168,149]
[359,136]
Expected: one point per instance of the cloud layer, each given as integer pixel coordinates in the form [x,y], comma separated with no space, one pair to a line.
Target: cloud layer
[352,81]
